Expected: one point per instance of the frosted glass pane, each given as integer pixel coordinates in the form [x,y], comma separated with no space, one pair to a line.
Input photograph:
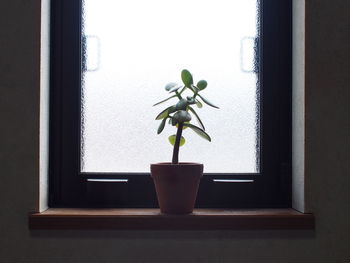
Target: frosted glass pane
[133,48]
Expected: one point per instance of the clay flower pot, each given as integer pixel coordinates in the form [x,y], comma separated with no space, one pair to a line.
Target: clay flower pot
[176,186]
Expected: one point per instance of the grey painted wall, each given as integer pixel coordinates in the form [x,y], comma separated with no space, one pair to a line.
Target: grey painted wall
[326,164]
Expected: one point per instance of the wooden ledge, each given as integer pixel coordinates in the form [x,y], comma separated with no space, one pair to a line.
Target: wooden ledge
[151,219]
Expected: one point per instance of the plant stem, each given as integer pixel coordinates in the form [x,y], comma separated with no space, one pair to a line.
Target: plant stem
[177,143]
[178,95]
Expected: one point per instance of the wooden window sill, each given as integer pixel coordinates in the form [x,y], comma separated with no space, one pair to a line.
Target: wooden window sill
[151,219]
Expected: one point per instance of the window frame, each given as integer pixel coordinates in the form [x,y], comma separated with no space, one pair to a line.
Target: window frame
[68,187]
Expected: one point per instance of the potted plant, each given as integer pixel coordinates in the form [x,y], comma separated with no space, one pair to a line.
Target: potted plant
[177,183]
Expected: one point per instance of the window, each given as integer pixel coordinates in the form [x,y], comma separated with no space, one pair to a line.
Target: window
[136,59]
[261,178]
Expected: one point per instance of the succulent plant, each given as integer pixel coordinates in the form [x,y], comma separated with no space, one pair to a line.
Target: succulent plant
[179,114]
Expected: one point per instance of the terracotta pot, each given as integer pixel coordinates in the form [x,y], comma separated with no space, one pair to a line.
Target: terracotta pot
[176,186]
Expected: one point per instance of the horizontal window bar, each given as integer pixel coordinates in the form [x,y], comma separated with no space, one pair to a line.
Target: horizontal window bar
[232,181]
[108,180]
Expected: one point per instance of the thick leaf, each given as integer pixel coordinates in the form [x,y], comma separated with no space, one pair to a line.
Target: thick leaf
[199,131]
[171,85]
[186,77]
[181,105]
[173,137]
[182,116]
[208,102]
[202,84]
[173,121]
[195,114]
[164,100]
[161,126]
[175,88]
[165,113]
[199,104]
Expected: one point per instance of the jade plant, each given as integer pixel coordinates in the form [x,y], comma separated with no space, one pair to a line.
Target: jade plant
[179,114]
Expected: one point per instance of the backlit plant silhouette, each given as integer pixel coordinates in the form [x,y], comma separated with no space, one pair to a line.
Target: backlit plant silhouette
[179,114]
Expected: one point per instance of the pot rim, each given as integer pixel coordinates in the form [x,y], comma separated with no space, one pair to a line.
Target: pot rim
[179,164]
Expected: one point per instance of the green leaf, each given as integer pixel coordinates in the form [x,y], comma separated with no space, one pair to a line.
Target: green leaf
[199,104]
[208,102]
[164,100]
[186,77]
[199,131]
[165,113]
[182,104]
[171,85]
[195,114]
[174,88]
[182,116]
[173,121]
[172,139]
[161,126]
[202,84]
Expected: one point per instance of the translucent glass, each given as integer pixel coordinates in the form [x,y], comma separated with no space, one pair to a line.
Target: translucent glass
[133,48]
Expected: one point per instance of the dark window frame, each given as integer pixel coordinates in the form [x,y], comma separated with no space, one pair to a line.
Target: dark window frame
[70,188]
